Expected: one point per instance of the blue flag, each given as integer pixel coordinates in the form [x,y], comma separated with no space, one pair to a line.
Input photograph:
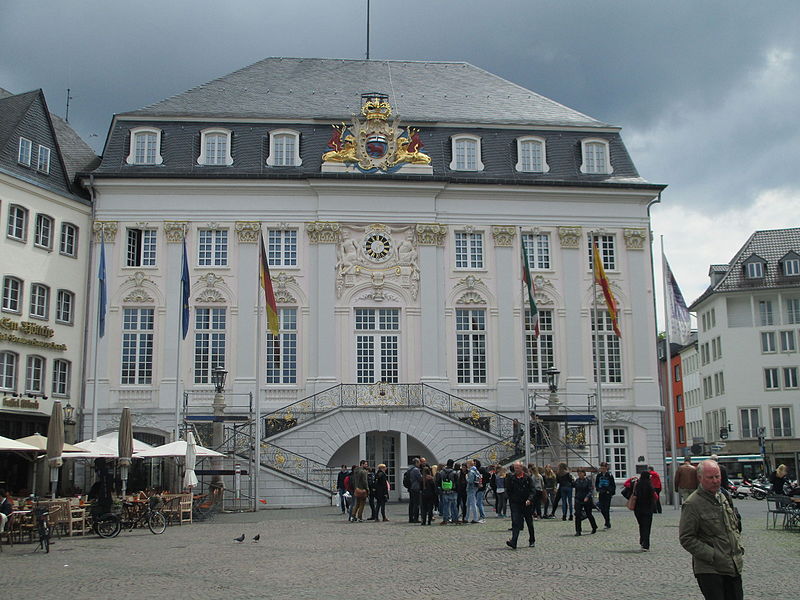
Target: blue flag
[103,293]
[184,292]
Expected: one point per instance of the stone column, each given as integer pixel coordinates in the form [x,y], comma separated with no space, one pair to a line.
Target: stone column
[175,233]
[575,266]
[402,465]
[509,332]
[433,338]
[243,369]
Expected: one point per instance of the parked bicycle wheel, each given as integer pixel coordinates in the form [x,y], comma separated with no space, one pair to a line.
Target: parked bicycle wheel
[107,526]
[157,522]
[489,497]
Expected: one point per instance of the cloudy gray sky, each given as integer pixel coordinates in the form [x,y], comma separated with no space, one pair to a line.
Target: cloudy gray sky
[706,92]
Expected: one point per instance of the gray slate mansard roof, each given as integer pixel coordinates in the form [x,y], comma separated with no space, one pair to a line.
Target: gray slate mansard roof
[771,245]
[321,88]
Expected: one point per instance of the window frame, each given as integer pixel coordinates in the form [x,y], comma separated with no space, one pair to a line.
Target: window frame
[14,212]
[472,345]
[611,369]
[539,352]
[793,311]
[35,384]
[790,381]
[607,246]
[142,340]
[35,304]
[38,235]
[474,261]
[204,158]
[8,279]
[588,161]
[274,135]
[616,438]
[63,241]
[766,314]
[781,427]
[135,132]
[749,432]
[284,370]
[768,342]
[140,252]
[9,370]
[218,253]
[754,270]
[208,341]
[25,159]
[466,137]
[43,166]
[61,378]
[282,252]
[531,139]
[772,380]
[538,259]
[60,296]
[790,264]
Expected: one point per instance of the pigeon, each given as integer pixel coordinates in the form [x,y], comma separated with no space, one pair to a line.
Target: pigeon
[258,537]
[240,539]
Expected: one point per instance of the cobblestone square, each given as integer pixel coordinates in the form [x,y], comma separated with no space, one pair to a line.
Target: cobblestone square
[315,553]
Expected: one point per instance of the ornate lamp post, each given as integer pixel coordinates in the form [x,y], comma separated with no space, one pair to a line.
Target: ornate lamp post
[69,438]
[218,376]
[553,404]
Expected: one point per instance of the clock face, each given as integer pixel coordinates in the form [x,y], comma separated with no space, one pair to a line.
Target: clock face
[377,246]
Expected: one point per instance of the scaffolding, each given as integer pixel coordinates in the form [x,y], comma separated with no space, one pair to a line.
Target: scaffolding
[565,433]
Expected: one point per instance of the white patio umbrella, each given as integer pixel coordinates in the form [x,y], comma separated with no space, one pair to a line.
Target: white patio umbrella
[106,446]
[9,445]
[175,449]
[189,477]
[38,441]
[55,445]
[125,446]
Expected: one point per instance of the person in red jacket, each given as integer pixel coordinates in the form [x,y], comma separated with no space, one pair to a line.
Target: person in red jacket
[655,480]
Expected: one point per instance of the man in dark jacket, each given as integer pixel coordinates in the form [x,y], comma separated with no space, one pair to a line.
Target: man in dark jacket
[415,486]
[519,489]
[606,488]
[709,531]
[360,487]
[340,486]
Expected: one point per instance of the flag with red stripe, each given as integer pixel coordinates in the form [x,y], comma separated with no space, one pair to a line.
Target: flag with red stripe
[266,284]
[602,280]
[529,286]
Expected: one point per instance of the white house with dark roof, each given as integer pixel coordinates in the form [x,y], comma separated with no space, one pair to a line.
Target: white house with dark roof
[393,197]
[748,328]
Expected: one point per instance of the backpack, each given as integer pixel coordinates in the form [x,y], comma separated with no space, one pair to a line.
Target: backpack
[347,484]
[447,481]
[627,491]
[407,479]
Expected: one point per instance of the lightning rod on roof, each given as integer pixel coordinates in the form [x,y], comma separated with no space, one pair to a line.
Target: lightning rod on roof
[367,29]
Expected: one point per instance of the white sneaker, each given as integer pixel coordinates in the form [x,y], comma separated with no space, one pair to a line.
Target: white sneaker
[481,520]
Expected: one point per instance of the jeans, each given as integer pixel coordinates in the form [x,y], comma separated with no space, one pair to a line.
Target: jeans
[550,502]
[604,502]
[502,502]
[720,587]
[537,503]
[583,510]
[372,514]
[479,501]
[447,507]
[472,507]
[519,514]
[413,505]
[566,500]
[645,520]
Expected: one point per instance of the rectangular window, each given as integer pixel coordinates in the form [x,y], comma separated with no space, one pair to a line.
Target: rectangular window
[282,352]
[216,149]
[606,343]
[284,150]
[765,315]
[12,293]
[750,422]
[679,403]
[282,247]
[605,245]
[40,301]
[681,435]
[793,311]
[141,248]
[790,378]
[61,378]
[377,345]
[24,153]
[537,246]
[43,235]
[755,270]
[471,345]
[137,346]
[707,389]
[212,247]
[616,449]
[65,301]
[469,250]
[781,421]
[43,160]
[704,353]
[144,148]
[771,380]
[768,341]
[787,341]
[209,342]
[466,155]
[34,372]
[532,157]
[8,371]
[69,240]
[17,223]
[676,373]
[791,267]
[594,160]
[540,351]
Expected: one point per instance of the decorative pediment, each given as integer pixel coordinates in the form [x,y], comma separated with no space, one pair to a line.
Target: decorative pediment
[618,416]
[210,295]
[138,295]
[210,279]
[138,279]
[471,297]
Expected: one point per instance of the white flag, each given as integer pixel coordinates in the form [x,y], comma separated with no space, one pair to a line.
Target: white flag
[679,321]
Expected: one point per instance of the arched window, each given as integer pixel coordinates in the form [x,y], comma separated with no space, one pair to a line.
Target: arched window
[284,148]
[8,371]
[145,148]
[466,153]
[17,223]
[12,294]
[531,155]
[62,371]
[65,305]
[40,301]
[215,147]
[596,158]
[43,235]
[34,375]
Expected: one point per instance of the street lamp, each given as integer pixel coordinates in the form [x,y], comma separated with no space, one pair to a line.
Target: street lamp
[552,404]
[218,376]
[552,379]
[69,437]
[69,411]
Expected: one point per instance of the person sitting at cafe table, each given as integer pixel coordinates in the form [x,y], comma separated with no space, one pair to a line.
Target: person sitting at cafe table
[6,508]
[100,491]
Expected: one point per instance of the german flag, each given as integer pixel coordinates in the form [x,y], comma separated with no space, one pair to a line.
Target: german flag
[600,278]
[266,284]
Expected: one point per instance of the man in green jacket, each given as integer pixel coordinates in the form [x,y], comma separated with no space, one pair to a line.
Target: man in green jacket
[709,531]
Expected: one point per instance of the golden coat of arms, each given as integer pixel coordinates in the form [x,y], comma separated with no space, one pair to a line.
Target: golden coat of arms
[373,143]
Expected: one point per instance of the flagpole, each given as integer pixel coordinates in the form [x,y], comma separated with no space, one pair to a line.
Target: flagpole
[178,353]
[598,388]
[669,376]
[526,405]
[260,344]
[101,256]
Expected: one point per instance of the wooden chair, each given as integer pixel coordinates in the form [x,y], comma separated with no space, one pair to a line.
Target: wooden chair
[6,532]
[185,509]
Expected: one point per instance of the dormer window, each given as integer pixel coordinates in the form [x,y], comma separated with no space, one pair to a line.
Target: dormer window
[43,160]
[531,155]
[466,153]
[284,148]
[790,264]
[145,148]
[754,267]
[24,153]
[596,158]
[215,147]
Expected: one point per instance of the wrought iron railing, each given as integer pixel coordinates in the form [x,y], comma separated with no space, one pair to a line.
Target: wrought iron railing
[298,466]
[500,453]
[354,395]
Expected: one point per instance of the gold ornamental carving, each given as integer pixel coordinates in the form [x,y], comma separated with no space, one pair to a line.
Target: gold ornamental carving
[108,229]
[431,234]
[503,235]
[175,231]
[247,231]
[635,238]
[323,232]
[570,237]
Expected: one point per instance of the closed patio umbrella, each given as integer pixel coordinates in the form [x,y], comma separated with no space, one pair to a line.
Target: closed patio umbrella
[189,477]
[38,441]
[125,446]
[55,445]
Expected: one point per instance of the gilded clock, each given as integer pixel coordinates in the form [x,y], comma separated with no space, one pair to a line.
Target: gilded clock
[377,246]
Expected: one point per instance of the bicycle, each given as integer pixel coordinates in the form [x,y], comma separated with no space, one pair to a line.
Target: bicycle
[110,525]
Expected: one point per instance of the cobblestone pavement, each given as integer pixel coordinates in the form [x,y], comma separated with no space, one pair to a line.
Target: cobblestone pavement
[315,553]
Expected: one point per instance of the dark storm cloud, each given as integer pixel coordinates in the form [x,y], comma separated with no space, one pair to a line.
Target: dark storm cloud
[691,83]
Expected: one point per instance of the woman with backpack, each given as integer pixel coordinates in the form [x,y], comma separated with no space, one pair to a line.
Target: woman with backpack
[643,503]
[564,479]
